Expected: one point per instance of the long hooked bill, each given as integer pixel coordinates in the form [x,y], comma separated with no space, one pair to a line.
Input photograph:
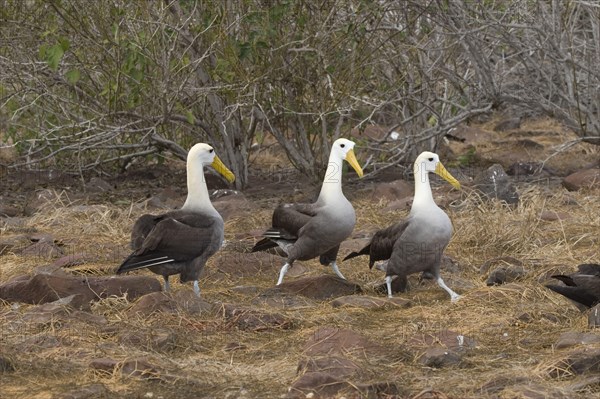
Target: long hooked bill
[222,169]
[351,159]
[441,171]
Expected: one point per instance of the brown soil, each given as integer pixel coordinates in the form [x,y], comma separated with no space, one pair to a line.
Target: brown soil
[514,327]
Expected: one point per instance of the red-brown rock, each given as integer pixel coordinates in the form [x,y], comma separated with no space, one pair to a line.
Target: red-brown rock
[339,341]
[320,287]
[586,178]
[253,320]
[43,288]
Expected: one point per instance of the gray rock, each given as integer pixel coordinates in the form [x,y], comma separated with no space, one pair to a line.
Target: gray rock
[573,338]
[506,274]
[438,357]
[495,183]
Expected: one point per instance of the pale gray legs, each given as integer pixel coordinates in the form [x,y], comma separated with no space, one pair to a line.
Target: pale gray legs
[337,271]
[286,267]
[168,286]
[453,295]
[282,272]
[388,282]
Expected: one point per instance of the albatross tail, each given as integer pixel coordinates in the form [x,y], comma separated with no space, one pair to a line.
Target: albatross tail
[577,294]
[365,251]
[264,244]
[134,262]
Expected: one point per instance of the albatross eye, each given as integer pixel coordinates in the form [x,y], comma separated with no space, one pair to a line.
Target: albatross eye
[342,145]
[211,150]
[430,159]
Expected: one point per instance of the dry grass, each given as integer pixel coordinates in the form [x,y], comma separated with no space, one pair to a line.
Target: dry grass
[515,326]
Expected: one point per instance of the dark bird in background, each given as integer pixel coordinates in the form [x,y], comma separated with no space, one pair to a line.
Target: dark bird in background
[582,287]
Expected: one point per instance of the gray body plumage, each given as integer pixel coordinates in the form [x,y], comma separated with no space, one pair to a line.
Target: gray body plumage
[417,243]
[307,231]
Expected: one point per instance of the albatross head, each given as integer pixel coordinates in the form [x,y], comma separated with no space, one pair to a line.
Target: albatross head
[202,154]
[344,149]
[430,162]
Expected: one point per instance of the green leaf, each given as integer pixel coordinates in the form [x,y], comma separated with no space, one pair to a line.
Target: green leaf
[73,76]
[190,117]
[42,52]
[53,56]
[245,49]
[64,43]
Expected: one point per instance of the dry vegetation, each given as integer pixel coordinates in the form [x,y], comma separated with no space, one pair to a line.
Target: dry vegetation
[515,326]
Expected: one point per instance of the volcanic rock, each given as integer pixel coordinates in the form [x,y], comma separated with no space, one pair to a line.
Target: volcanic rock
[495,183]
[320,287]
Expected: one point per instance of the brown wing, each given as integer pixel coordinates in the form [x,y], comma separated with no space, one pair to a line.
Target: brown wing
[287,221]
[382,243]
[290,218]
[173,237]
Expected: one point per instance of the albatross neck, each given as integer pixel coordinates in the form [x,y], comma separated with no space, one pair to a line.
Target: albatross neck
[423,198]
[197,198]
[331,190]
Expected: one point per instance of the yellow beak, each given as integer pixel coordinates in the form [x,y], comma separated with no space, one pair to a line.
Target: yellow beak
[351,159]
[444,174]
[222,169]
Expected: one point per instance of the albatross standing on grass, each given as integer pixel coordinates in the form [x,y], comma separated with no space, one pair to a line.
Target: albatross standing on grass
[181,241]
[305,231]
[415,244]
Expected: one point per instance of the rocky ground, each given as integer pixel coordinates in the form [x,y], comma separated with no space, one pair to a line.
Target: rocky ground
[70,329]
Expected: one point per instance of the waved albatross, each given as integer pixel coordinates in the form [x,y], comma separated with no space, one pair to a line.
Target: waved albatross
[582,287]
[415,244]
[305,231]
[181,241]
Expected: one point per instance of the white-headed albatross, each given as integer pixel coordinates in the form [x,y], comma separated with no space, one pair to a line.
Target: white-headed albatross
[181,241]
[415,244]
[305,231]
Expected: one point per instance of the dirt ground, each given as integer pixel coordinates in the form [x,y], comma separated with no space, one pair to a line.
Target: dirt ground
[513,330]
